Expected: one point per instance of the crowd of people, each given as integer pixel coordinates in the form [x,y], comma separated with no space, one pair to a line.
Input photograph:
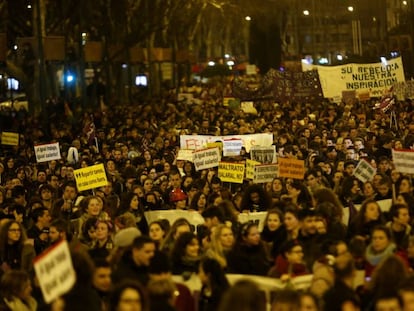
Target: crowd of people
[123,262]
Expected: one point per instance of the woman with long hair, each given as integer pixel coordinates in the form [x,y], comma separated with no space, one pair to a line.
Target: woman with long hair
[130,203]
[222,241]
[91,206]
[158,231]
[15,251]
[199,202]
[214,284]
[381,247]
[178,227]
[368,217]
[291,221]
[299,194]
[274,232]
[277,189]
[103,243]
[15,292]
[185,254]
[249,254]
[255,199]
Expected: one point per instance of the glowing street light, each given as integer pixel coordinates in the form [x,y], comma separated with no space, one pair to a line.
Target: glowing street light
[248,18]
[350,8]
[306,12]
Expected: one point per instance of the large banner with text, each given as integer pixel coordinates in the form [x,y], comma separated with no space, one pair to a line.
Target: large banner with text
[373,78]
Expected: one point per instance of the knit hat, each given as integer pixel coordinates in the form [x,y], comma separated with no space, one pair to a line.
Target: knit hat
[125,237]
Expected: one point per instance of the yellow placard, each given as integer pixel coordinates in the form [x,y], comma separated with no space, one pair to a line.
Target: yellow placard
[250,164]
[226,101]
[291,168]
[91,177]
[9,138]
[218,144]
[231,172]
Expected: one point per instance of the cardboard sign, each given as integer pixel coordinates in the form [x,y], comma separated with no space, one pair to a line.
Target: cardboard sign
[403,161]
[54,271]
[206,158]
[47,152]
[90,177]
[265,173]
[185,155]
[264,155]
[291,168]
[250,164]
[364,171]
[231,172]
[10,139]
[232,147]
[200,141]
[248,107]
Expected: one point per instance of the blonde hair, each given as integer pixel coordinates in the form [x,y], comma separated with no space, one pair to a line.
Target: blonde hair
[216,250]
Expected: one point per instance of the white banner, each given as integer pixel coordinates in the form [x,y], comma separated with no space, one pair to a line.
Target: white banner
[193,217]
[47,152]
[200,141]
[206,158]
[364,171]
[403,161]
[264,155]
[232,147]
[185,155]
[265,173]
[373,78]
[256,217]
[54,271]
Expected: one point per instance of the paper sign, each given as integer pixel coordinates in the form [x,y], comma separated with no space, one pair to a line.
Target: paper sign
[9,138]
[265,173]
[231,172]
[364,171]
[200,141]
[264,155]
[291,168]
[250,168]
[226,101]
[90,177]
[255,217]
[248,107]
[54,271]
[232,147]
[185,155]
[403,161]
[251,69]
[206,158]
[47,152]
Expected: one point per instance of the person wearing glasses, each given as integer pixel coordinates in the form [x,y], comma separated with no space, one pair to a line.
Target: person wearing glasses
[16,251]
